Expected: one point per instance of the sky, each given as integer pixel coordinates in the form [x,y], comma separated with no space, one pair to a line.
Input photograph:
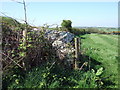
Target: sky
[92,14]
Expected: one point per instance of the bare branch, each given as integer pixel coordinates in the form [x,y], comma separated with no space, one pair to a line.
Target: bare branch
[25,11]
[52,65]
[84,64]
[17,1]
[12,60]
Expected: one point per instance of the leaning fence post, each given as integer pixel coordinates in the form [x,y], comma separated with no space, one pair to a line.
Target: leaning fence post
[77,47]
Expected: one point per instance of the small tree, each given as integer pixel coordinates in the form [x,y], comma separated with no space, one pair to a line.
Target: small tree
[66,24]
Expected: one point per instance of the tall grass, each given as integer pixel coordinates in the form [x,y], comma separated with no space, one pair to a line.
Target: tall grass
[104,50]
[57,77]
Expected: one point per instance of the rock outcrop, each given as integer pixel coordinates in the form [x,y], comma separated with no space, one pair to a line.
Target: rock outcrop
[63,42]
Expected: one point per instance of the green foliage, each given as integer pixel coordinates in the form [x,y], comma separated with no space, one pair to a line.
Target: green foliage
[13,77]
[66,24]
[99,71]
[93,30]
[57,77]
[104,49]
[10,21]
[78,31]
[89,30]
[40,56]
[88,80]
[36,52]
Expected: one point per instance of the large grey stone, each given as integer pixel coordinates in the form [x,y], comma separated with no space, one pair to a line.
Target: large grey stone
[60,40]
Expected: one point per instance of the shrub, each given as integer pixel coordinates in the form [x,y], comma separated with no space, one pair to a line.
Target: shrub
[94,30]
[66,25]
[38,51]
[116,32]
[78,31]
[57,77]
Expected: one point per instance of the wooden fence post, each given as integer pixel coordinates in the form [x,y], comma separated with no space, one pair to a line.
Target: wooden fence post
[77,50]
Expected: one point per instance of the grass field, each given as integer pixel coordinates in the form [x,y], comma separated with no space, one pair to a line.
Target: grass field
[104,49]
[108,29]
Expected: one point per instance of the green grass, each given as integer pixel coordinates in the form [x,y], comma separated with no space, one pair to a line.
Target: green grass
[58,77]
[108,29]
[9,21]
[104,48]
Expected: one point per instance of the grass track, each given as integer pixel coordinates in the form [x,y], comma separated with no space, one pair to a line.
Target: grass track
[105,51]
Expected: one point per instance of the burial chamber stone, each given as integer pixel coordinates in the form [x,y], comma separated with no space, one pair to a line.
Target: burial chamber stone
[60,41]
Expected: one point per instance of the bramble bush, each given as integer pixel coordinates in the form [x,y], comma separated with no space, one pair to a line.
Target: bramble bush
[57,77]
[44,69]
[37,51]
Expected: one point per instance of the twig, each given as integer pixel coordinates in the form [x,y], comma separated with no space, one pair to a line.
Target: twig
[17,1]
[52,65]
[85,63]
[12,60]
